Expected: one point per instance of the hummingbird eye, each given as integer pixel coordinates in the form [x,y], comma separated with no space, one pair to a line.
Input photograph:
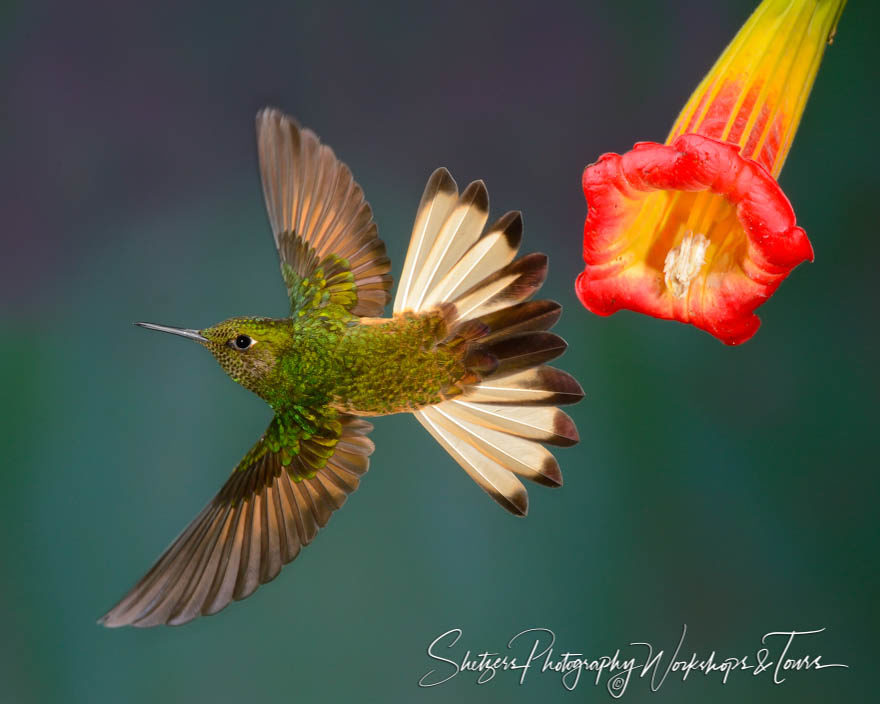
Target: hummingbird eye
[242,342]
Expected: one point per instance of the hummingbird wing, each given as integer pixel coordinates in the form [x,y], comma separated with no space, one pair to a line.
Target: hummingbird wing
[277,498]
[323,227]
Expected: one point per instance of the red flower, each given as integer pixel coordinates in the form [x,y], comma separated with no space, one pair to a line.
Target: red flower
[698,230]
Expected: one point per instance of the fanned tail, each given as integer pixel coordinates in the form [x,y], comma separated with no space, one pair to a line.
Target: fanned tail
[495,428]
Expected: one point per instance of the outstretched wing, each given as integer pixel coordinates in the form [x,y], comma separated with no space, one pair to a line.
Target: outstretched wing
[280,494]
[323,227]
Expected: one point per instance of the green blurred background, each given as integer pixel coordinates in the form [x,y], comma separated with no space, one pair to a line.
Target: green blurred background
[731,489]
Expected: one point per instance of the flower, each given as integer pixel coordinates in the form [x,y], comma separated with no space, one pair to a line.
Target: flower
[697,229]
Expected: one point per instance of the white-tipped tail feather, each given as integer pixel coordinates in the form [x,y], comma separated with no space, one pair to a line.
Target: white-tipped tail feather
[495,428]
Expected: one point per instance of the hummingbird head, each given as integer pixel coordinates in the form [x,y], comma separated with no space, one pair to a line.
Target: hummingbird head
[247,349]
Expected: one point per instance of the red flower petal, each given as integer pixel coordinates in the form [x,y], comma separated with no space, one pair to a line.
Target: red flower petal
[722,297]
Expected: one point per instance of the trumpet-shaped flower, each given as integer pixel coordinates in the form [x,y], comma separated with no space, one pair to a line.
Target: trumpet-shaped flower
[698,229]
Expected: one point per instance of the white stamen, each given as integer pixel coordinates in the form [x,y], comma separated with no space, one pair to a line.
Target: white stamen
[683,263]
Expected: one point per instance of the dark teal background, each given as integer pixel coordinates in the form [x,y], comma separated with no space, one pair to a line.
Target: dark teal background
[730,489]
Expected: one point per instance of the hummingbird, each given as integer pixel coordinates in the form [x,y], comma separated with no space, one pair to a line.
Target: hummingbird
[465,351]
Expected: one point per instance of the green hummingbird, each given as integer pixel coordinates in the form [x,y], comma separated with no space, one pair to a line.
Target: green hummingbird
[465,352]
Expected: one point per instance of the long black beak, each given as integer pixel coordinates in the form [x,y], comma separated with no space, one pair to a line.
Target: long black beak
[183,332]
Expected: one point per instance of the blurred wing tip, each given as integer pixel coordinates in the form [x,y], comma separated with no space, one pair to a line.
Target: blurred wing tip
[270,113]
[111,620]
